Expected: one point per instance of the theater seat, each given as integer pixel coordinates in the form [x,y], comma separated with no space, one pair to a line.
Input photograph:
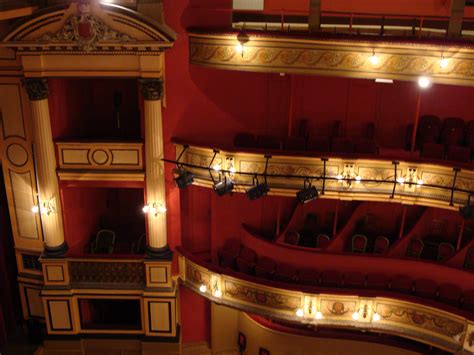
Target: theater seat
[458,153]
[265,267]
[415,248]
[468,301]
[319,144]
[268,142]
[292,237]
[450,294]
[453,131]
[245,140]
[229,252]
[342,146]
[377,281]
[322,241]
[365,146]
[381,245]
[354,280]
[285,273]
[246,260]
[425,288]
[308,277]
[469,261]
[429,129]
[331,278]
[359,243]
[432,151]
[445,251]
[401,283]
[294,144]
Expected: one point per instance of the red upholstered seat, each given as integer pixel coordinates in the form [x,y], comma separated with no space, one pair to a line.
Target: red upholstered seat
[425,288]
[432,151]
[331,278]
[294,144]
[322,241]
[365,146]
[292,237]
[342,145]
[265,267]
[429,128]
[319,144]
[381,245]
[468,301]
[229,252]
[450,294]
[458,153]
[285,273]
[359,243]
[246,260]
[415,248]
[354,280]
[377,281]
[469,261]
[268,142]
[401,283]
[453,131]
[445,251]
[245,140]
[308,276]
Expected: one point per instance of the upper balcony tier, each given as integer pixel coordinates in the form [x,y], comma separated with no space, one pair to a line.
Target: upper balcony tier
[341,177]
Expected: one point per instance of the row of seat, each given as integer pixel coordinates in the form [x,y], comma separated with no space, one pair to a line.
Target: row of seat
[243,259]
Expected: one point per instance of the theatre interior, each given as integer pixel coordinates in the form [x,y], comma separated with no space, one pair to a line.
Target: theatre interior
[236,177]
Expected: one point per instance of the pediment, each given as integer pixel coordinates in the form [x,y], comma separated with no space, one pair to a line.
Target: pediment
[88,27]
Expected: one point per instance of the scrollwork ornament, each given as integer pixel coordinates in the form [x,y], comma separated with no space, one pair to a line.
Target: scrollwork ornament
[36,88]
[152,89]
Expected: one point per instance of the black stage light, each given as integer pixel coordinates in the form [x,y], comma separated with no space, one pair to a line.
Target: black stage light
[257,191]
[183,178]
[223,187]
[467,212]
[307,194]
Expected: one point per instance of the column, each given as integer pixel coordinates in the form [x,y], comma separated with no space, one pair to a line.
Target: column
[48,187]
[157,246]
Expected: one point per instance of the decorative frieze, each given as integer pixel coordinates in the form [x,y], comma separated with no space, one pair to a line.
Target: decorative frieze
[107,273]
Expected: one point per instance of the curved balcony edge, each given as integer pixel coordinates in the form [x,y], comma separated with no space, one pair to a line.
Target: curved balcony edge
[344,178]
[407,319]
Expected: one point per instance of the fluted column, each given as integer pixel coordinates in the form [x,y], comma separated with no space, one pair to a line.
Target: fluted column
[155,171]
[49,196]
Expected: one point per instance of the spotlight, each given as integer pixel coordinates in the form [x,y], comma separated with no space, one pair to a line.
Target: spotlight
[223,187]
[257,191]
[307,194]
[467,212]
[424,82]
[183,178]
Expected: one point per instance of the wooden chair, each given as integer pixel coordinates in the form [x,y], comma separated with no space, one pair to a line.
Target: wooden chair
[381,245]
[415,248]
[104,242]
[359,243]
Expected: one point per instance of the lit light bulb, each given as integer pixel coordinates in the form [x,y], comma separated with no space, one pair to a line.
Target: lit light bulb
[232,170]
[355,315]
[162,209]
[339,177]
[374,59]
[400,180]
[203,288]
[376,317]
[217,167]
[239,48]
[444,63]
[358,179]
[319,315]
[35,209]
[419,182]
[146,209]
[299,312]
[218,293]
[424,82]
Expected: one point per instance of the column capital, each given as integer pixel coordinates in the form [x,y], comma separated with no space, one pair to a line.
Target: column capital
[152,89]
[37,88]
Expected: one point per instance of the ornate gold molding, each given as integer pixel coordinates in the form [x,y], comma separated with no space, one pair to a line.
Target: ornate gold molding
[364,190]
[348,58]
[407,319]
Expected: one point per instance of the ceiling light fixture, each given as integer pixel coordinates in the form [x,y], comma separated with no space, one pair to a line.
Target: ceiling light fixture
[424,82]
[384,81]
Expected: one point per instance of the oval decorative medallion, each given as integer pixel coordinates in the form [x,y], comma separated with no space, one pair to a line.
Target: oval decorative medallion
[17,154]
[100,157]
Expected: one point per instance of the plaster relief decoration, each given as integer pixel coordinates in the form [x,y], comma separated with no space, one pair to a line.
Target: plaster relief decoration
[85,30]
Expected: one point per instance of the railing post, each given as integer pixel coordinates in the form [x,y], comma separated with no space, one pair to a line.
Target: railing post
[456,171]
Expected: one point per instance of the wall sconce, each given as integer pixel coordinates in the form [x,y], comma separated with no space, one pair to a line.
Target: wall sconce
[154,208]
[45,208]
[217,292]
[348,176]
[364,312]
[242,39]
[203,288]
[411,178]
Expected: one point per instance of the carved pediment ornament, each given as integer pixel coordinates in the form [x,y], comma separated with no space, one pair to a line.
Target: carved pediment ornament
[86,31]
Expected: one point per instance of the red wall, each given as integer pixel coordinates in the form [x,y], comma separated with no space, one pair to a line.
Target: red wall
[195,317]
